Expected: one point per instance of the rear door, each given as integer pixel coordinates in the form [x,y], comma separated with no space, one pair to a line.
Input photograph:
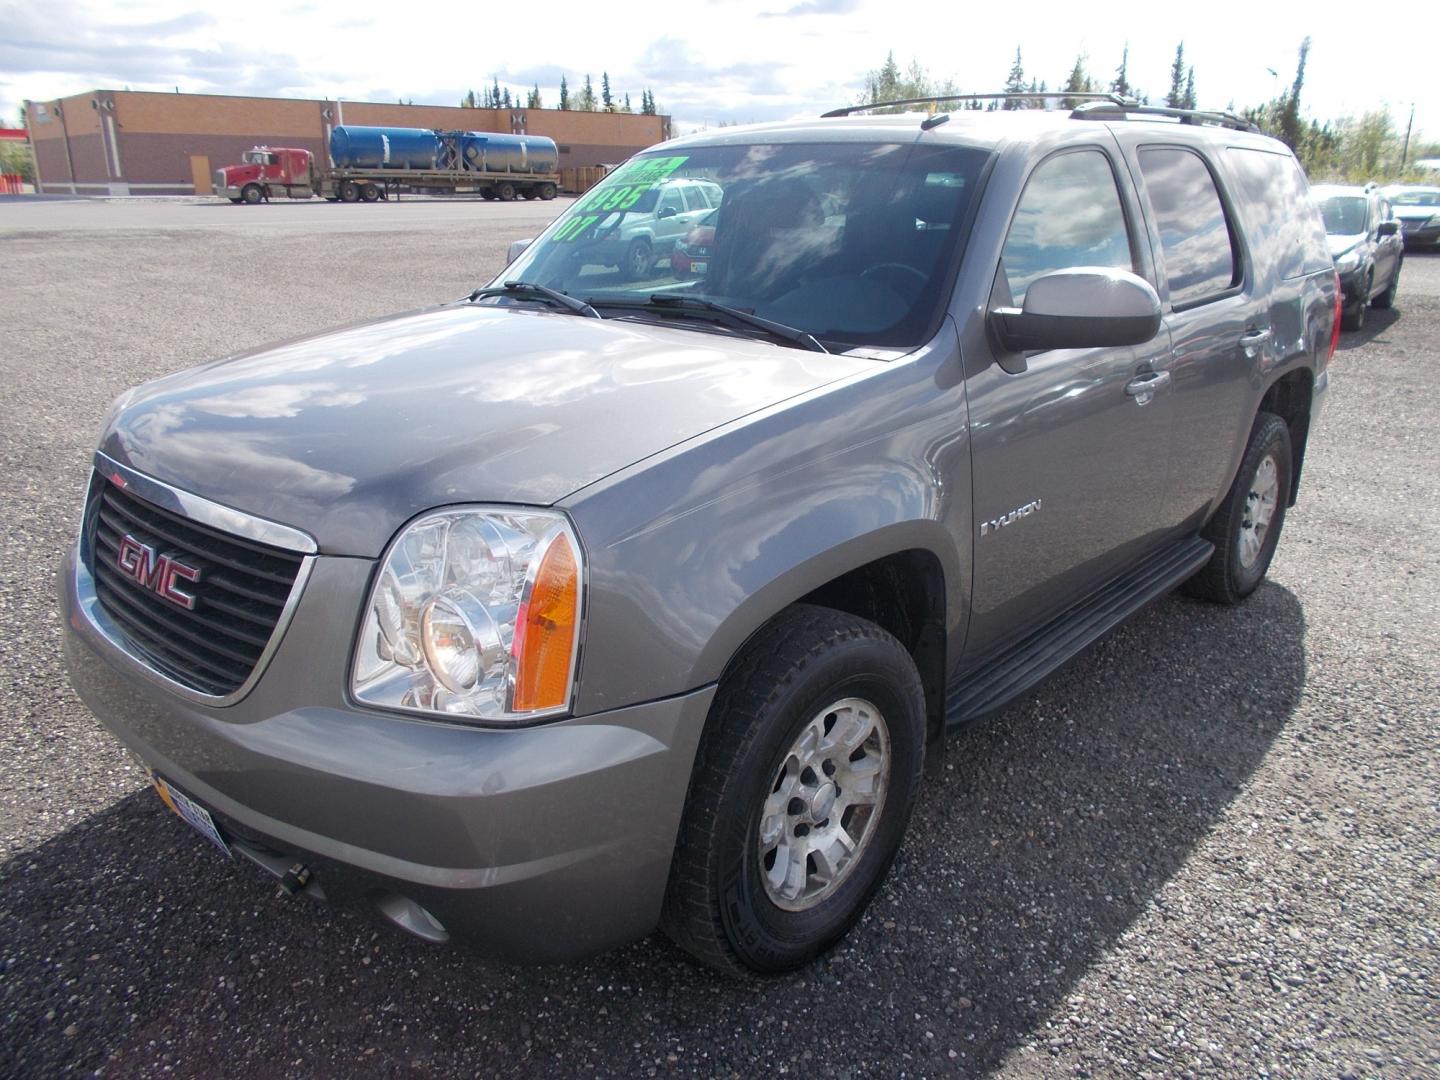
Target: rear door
[1221,333]
[1070,462]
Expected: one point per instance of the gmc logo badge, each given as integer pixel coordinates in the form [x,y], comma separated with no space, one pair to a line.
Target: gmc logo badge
[158,573]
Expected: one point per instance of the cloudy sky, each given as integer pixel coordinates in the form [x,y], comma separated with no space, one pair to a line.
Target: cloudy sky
[706,61]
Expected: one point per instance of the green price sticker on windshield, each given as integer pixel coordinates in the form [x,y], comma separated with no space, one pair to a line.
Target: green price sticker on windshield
[623,190]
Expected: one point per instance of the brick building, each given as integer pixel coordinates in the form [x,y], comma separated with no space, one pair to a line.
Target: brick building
[123,142]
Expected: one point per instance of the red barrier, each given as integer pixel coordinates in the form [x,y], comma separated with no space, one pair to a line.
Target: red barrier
[11,184]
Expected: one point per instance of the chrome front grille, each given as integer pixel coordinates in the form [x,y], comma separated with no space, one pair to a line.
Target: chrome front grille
[210,632]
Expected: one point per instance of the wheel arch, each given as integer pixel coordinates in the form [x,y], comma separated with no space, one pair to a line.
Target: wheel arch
[1290,397]
[904,578]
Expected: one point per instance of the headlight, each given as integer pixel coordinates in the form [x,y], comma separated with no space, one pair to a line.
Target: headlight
[475,614]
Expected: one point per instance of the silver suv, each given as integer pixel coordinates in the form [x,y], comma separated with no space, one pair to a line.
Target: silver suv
[589,604]
[650,226]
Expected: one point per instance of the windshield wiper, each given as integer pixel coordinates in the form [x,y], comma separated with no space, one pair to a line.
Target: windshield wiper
[694,305]
[528,290]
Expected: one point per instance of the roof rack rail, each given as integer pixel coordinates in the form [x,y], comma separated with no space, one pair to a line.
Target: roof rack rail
[1113,99]
[1124,108]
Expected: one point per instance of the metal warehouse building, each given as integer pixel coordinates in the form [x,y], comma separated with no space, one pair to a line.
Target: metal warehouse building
[123,142]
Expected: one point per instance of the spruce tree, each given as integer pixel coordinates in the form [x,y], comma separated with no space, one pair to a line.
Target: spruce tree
[1079,82]
[1176,97]
[508,102]
[605,98]
[1190,88]
[564,94]
[587,96]
[1290,129]
[495,95]
[626,107]
[1121,83]
[533,100]
[1015,83]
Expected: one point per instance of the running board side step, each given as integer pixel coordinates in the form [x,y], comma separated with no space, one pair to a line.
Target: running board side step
[1030,660]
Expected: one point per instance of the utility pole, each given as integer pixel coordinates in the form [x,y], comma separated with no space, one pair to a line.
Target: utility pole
[1405,150]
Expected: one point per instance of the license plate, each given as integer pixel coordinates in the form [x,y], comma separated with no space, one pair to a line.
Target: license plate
[190,812]
[698,268]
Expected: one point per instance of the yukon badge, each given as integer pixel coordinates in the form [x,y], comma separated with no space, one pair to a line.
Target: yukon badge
[157,573]
[987,527]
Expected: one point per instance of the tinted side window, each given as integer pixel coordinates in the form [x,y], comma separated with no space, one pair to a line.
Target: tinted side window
[694,200]
[1279,215]
[670,199]
[1200,257]
[1069,215]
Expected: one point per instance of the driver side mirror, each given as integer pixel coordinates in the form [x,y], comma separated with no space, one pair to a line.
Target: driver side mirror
[1083,308]
[1387,228]
[516,249]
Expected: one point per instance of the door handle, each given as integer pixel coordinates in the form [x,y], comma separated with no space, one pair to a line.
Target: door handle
[1252,339]
[1142,386]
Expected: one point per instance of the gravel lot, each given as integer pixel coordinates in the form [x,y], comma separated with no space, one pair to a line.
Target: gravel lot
[1208,847]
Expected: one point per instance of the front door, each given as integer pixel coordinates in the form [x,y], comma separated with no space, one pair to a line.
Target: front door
[1070,447]
[200,170]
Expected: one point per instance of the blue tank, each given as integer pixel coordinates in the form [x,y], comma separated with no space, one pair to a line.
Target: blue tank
[488,151]
[383,148]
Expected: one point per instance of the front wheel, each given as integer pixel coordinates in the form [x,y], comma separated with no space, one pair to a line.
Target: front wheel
[803,785]
[1386,300]
[1353,318]
[639,260]
[1247,526]
[251,194]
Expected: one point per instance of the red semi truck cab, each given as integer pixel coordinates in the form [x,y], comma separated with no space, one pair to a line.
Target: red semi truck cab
[267,170]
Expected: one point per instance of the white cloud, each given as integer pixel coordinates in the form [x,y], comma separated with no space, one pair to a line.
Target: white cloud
[706,62]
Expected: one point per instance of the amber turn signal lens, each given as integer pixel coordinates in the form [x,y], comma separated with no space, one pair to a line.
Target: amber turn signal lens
[545,629]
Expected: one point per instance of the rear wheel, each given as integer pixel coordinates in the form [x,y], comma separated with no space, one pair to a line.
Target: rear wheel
[1386,299]
[349,191]
[370,193]
[251,194]
[803,785]
[547,191]
[505,192]
[1247,526]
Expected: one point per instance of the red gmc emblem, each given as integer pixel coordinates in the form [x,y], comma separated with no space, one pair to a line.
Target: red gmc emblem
[158,573]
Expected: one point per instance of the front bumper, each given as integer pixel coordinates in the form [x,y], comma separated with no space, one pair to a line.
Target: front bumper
[541,843]
[1351,282]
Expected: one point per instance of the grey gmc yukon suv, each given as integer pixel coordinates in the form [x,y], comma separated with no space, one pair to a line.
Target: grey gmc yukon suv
[604,599]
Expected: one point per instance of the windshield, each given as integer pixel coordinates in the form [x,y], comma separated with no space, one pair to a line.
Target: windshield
[1415,198]
[850,242]
[1344,215]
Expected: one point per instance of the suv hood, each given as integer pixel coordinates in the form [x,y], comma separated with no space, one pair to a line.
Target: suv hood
[349,434]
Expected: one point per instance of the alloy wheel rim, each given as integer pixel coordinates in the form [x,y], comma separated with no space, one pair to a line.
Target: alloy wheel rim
[824,804]
[1260,504]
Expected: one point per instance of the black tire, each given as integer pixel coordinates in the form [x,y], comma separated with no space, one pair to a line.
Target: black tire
[639,260]
[1226,578]
[251,194]
[235,198]
[505,191]
[488,194]
[717,905]
[1386,300]
[547,191]
[1353,317]
[349,191]
[370,193]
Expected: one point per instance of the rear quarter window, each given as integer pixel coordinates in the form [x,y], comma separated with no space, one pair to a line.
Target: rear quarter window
[1284,227]
[1201,262]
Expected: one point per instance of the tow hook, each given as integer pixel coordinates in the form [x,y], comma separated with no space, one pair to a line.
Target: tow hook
[295,879]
